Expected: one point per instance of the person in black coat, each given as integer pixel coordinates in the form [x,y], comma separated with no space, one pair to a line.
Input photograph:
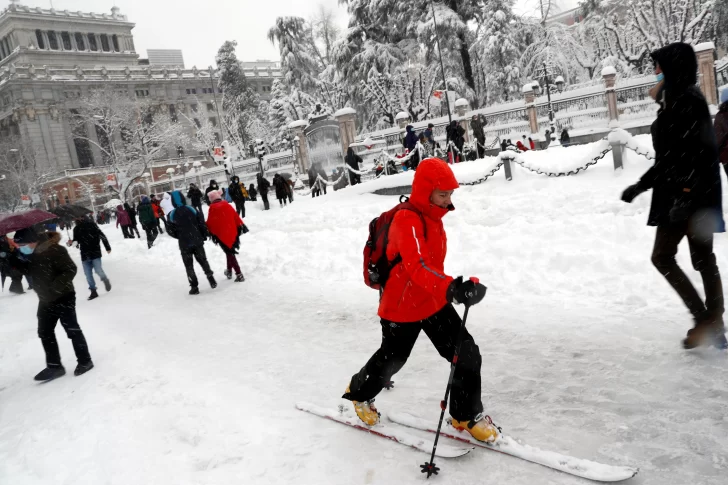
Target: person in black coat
[686,189]
[252,193]
[187,225]
[281,191]
[312,179]
[353,160]
[237,196]
[263,187]
[88,238]
[455,134]
[52,271]
[195,195]
[213,186]
[133,218]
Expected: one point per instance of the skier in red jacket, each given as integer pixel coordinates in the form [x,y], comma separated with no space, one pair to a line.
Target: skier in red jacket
[225,227]
[418,295]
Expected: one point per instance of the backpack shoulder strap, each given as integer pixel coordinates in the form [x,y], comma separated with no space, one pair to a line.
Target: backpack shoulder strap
[407,205]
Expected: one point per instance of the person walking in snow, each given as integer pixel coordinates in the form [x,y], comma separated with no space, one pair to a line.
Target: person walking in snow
[52,271]
[213,186]
[225,227]
[721,129]
[88,238]
[148,220]
[354,161]
[430,136]
[410,143]
[313,182]
[133,217]
[238,194]
[123,219]
[281,190]
[455,134]
[419,296]
[565,138]
[158,212]
[195,196]
[479,135]
[263,187]
[686,190]
[252,193]
[324,178]
[188,226]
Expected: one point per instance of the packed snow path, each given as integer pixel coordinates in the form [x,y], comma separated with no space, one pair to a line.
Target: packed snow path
[580,338]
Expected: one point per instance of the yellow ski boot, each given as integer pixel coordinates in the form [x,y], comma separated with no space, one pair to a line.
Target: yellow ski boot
[481,428]
[366,411]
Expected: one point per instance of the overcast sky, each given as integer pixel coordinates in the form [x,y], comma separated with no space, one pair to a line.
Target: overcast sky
[199,27]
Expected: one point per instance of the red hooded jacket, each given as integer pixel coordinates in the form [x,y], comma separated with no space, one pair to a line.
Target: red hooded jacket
[417,287]
[223,222]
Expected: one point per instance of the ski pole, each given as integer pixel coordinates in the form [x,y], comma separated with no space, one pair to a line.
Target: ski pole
[429,467]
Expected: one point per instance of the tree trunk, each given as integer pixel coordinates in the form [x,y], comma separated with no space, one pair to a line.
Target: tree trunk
[467,66]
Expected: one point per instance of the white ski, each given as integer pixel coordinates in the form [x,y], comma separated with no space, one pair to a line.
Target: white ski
[505,444]
[385,430]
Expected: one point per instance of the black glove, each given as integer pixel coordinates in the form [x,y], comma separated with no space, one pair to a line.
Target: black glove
[631,192]
[467,293]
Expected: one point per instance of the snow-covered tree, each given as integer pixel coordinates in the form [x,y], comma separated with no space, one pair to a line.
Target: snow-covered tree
[20,173]
[130,133]
[301,60]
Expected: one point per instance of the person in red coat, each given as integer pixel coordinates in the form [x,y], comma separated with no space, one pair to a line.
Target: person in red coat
[419,296]
[225,227]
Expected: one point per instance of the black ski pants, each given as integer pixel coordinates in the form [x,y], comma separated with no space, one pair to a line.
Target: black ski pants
[63,309]
[667,240]
[152,233]
[266,204]
[198,207]
[398,339]
[240,208]
[480,147]
[198,253]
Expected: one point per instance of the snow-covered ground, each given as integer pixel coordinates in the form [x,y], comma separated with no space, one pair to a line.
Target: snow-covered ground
[580,339]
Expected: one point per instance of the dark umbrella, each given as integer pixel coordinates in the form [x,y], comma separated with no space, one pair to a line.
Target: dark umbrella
[21,220]
[70,212]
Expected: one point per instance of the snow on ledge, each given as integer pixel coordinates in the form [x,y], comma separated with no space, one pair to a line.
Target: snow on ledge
[461,102]
[297,124]
[401,116]
[704,46]
[527,88]
[345,111]
[609,71]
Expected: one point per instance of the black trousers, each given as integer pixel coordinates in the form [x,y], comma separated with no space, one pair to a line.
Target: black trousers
[152,233]
[126,231]
[481,148]
[667,240]
[198,207]
[240,208]
[63,309]
[398,339]
[266,204]
[159,225]
[198,253]
[134,228]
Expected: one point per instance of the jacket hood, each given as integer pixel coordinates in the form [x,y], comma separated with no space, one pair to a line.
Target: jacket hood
[409,128]
[679,65]
[145,200]
[432,174]
[213,183]
[46,240]
[178,200]
[120,208]
[235,180]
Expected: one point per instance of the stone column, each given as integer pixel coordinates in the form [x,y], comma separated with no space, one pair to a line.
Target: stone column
[347,127]
[706,71]
[302,160]
[530,98]
[461,107]
[609,75]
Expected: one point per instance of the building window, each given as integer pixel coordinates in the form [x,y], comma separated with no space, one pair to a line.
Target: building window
[197,123]
[173,113]
[142,93]
[80,140]
[66,39]
[3,53]
[105,43]
[39,38]
[92,43]
[210,107]
[115,41]
[194,108]
[52,40]
[191,91]
[80,44]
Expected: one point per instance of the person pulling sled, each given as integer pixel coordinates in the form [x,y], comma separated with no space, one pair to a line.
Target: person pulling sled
[404,259]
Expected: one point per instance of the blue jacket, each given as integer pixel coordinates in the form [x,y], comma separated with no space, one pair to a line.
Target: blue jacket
[186,224]
[411,138]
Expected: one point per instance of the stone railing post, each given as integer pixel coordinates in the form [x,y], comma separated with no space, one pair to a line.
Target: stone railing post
[530,98]
[402,119]
[302,160]
[609,75]
[461,107]
[705,53]
[347,127]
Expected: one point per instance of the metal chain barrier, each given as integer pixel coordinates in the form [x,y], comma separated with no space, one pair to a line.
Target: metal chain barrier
[592,162]
[487,176]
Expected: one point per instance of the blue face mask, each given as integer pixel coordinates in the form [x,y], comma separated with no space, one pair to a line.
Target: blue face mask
[660,77]
[27,250]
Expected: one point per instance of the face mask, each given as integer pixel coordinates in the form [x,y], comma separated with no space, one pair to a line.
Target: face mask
[27,250]
[660,77]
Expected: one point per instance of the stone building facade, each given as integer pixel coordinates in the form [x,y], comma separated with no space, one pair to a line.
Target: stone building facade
[50,58]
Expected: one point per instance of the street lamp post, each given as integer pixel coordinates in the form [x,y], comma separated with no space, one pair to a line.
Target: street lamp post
[559,83]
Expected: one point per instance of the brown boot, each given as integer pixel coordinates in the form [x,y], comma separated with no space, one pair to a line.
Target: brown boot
[708,329]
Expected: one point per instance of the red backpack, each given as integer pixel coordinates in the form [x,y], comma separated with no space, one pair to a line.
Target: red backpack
[376,265]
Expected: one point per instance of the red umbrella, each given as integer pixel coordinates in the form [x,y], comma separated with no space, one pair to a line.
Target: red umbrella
[21,220]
